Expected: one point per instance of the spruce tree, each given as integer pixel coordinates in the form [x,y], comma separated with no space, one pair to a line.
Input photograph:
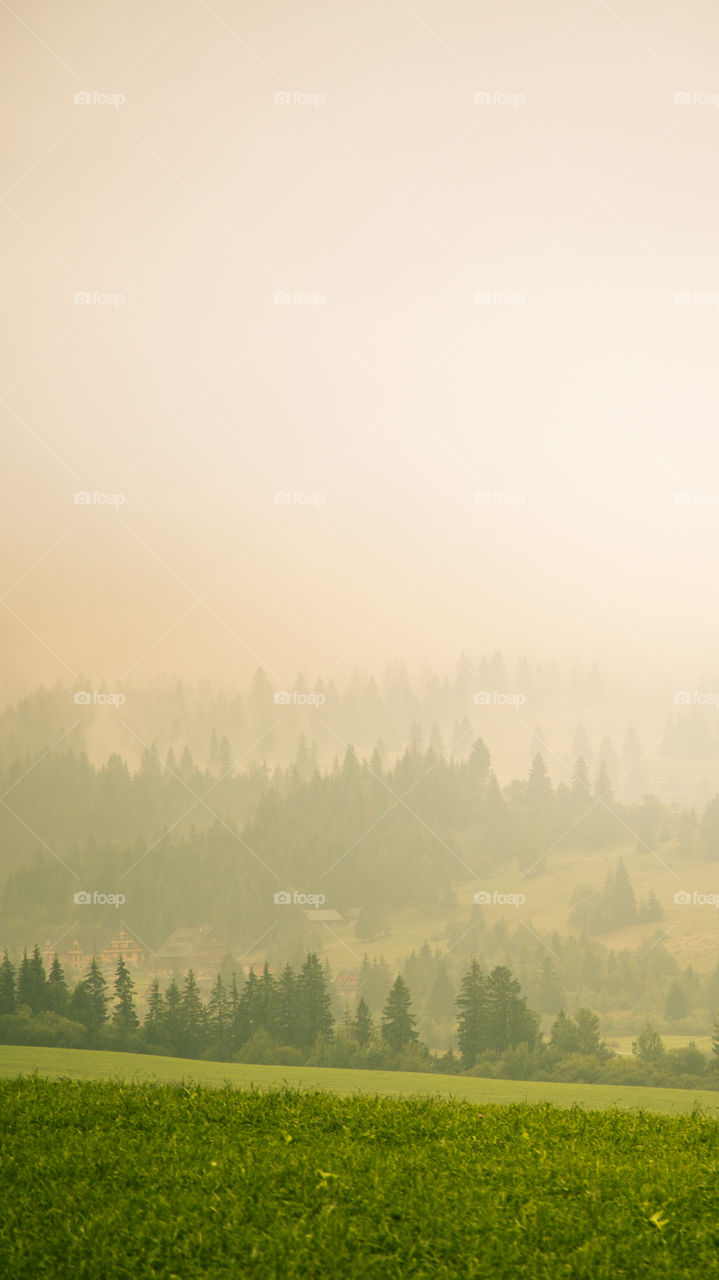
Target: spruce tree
[398,1022]
[362,1026]
[509,1021]
[287,1006]
[57,993]
[314,1005]
[219,1016]
[472,1015]
[193,1019]
[7,986]
[31,982]
[124,1015]
[152,1026]
[88,1003]
[171,1019]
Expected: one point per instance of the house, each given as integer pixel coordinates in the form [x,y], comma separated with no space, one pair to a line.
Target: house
[190,949]
[125,946]
[324,917]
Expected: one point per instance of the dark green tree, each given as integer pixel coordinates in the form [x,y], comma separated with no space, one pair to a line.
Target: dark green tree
[7,985]
[398,1022]
[88,1003]
[57,993]
[509,1021]
[472,1015]
[124,1014]
[362,1026]
[314,1004]
[193,1017]
[219,1017]
[31,982]
[153,1024]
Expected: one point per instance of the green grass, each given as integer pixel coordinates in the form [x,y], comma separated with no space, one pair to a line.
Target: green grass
[85,1064]
[112,1181]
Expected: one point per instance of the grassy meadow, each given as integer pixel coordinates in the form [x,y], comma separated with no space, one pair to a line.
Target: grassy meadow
[161,1182]
[91,1065]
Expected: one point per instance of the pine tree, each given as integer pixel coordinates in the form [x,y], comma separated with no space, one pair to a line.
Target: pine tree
[152,1026]
[676,1005]
[88,1003]
[314,1004]
[563,1036]
[398,1023]
[124,1014]
[509,1021]
[31,982]
[268,1003]
[648,1047]
[57,993]
[287,1006]
[471,1015]
[172,1018]
[192,1016]
[219,1016]
[7,986]
[362,1026]
[620,902]
[248,1012]
[539,786]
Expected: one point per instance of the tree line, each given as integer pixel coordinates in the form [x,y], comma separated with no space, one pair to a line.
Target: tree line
[287,1019]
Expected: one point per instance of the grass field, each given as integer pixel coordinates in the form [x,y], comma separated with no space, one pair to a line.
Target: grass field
[85,1064]
[112,1181]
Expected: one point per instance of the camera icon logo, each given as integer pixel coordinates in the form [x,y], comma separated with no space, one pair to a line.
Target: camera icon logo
[82,98]
[283,898]
[82,498]
[282,498]
[283,698]
[682,898]
[82,898]
[682,99]
[482,899]
[282,98]
[482,99]
[682,698]
[82,698]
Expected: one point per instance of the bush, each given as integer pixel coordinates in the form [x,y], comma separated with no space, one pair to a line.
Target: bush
[48,1029]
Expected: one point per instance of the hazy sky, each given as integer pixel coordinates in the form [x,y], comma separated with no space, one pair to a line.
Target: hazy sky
[497,231]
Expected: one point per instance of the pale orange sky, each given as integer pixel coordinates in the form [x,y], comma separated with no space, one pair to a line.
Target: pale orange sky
[581,200]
